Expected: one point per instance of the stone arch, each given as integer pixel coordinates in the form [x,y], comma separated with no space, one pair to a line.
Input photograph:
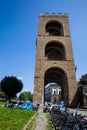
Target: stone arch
[54,28]
[55,50]
[58,76]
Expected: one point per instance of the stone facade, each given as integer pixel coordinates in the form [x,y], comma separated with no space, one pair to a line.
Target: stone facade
[54,58]
[52,94]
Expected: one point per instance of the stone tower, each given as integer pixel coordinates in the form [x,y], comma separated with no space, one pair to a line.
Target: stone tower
[54,58]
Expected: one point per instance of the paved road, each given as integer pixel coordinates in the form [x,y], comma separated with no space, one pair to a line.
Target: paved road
[41,121]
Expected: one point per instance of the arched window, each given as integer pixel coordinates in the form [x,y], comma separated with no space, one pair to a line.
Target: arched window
[55,51]
[54,28]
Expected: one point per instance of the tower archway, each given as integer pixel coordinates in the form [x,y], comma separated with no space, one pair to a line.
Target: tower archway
[58,76]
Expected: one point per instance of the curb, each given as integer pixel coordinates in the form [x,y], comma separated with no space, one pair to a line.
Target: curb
[25,127]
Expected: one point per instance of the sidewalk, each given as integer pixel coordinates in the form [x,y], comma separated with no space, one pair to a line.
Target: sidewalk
[41,121]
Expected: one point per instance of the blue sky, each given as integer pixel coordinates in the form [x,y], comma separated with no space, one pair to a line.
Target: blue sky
[18,32]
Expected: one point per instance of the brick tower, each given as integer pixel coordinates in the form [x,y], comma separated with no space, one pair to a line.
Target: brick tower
[54,58]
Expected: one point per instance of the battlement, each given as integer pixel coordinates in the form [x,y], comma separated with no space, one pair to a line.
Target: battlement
[53,14]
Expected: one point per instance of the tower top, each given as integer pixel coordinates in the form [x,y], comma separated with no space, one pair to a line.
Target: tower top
[53,14]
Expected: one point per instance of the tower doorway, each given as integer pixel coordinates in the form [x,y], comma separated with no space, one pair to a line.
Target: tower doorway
[59,78]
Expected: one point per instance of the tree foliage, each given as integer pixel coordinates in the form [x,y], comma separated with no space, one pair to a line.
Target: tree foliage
[11,86]
[2,95]
[26,96]
[83,80]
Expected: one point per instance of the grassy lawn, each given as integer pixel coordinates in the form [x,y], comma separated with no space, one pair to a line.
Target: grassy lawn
[2,104]
[14,119]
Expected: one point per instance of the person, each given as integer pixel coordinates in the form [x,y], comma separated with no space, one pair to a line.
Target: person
[62,106]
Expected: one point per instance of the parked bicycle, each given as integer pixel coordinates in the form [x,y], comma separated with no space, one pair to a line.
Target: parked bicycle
[64,120]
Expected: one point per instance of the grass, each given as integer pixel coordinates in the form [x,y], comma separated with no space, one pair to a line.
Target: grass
[2,104]
[49,123]
[14,119]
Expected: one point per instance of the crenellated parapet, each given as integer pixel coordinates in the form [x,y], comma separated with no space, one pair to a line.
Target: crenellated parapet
[53,14]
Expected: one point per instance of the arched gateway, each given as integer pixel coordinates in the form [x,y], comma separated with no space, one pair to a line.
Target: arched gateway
[54,58]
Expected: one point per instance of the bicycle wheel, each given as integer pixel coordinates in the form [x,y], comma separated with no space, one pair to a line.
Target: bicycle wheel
[59,125]
[77,126]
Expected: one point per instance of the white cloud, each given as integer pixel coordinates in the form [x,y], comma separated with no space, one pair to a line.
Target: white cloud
[20,78]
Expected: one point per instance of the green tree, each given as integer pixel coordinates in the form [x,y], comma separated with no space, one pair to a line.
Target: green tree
[26,96]
[11,86]
[2,95]
[83,80]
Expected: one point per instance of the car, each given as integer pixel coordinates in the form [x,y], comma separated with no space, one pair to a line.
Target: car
[18,103]
[9,104]
[26,106]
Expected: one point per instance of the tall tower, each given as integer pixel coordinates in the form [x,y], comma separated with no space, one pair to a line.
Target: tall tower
[54,58]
